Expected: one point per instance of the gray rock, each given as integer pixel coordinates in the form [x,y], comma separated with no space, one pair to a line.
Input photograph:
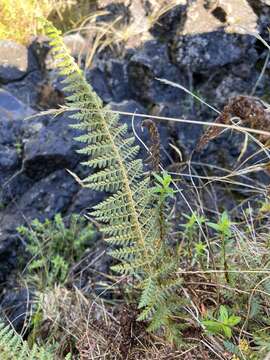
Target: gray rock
[9,158]
[184,136]
[12,109]
[15,61]
[15,305]
[208,51]
[145,65]
[52,147]
[112,12]
[117,79]
[132,107]
[26,89]
[12,114]
[97,78]
[44,199]
[262,9]
[84,200]
[170,22]
[13,185]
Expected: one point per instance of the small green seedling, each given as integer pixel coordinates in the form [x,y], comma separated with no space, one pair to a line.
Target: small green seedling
[222,325]
[190,231]
[162,185]
[223,227]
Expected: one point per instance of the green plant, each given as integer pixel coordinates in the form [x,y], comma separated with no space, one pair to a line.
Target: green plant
[12,347]
[54,248]
[18,147]
[223,226]
[190,230]
[135,219]
[26,13]
[223,324]
[132,216]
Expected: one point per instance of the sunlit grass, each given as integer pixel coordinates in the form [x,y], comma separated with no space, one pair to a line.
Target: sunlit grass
[18,19]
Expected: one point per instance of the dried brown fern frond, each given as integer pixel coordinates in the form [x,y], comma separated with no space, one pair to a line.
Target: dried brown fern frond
[154,159]
[251,112]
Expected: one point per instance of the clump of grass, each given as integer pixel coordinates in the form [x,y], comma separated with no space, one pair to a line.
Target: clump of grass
[119,33]
[19,19]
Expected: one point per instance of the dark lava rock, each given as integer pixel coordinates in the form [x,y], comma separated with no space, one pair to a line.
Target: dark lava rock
[13,185]
[15,305]
[110,79]
[132,107]
[222,153]
[52,147]
[11,109]
[170,22]
[12,115]
[208,51]
[118,82]
[9,158]
[56,193]
[26,89]
[114,11]
[185,136]
[145,65]
[84,200]
[43,200]
[15,61]
[262,9]
[97,78]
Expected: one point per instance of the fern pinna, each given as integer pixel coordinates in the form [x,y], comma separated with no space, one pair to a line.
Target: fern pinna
[131,214]
[12,347]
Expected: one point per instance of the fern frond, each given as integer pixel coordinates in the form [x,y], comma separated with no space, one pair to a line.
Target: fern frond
[130,216]
[12,347]
[90,106]
[148,293]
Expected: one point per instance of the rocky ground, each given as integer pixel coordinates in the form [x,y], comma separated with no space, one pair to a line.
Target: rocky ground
[206,47]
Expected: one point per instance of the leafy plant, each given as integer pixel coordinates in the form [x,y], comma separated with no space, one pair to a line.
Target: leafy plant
[132,216]
[55,247]
[135,219]
[223,324]
[12,347]
[190,230]
[224,228]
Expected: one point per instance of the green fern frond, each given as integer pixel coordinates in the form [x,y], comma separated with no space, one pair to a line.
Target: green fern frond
[93,117]
[12,347]
[131,216]
[148,294]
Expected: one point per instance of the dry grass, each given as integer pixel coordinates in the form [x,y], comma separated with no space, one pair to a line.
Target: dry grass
[18,19]
[92,329]
[119,33]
